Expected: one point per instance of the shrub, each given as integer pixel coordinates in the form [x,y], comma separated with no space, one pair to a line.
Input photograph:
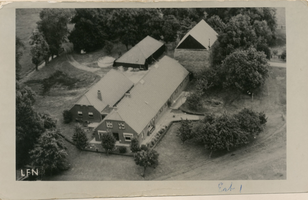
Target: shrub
[49,122]
[67,116]
[134,145]
[79,138]
[122,149]
[144,147]
[194,101]
[262,118]
[108,142]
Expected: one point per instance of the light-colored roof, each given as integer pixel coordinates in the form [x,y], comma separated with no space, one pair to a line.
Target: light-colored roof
[150,93]
[141,51]
[203,33]
[112,87]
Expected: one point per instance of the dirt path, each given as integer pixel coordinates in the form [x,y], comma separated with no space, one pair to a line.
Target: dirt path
[76,64]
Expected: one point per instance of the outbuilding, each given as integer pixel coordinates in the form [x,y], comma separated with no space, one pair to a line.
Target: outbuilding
[193,51]
[142,54]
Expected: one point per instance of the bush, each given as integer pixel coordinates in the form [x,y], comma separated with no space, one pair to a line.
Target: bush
[49,122]
[194,101]
[262,118]
[122,149]
[67,116]
[134,145]
[79,138]
[144,147]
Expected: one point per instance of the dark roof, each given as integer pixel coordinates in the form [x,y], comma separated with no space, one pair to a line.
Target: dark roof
[141,51]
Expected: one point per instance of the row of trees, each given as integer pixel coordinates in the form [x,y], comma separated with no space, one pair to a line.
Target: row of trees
[37,138]
[224,132]
[51,32]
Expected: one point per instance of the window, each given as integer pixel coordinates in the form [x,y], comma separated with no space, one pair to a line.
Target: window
[100,133]
[121,126]
[109,124]
[79,113]
[128,137]
[90,114]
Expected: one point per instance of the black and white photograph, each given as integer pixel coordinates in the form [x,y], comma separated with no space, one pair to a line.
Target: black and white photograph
[153,99]
[151,94]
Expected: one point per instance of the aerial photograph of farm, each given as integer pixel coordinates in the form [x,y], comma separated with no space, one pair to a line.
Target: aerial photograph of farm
[151,94]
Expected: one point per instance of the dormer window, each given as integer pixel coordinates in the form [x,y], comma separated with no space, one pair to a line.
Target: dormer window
[90,114]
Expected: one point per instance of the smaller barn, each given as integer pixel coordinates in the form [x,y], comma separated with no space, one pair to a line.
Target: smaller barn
[193,51]
[142,54]
[100,99]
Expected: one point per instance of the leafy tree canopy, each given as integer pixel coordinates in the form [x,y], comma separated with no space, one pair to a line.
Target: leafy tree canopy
[50,153]
[146,159]
[80,138]
[19,46]
[245,70]
[108,142]
[29,125]
[39,48]
[53,25]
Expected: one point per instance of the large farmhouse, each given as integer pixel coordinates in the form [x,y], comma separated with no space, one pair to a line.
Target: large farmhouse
[142,54]
[194,48]
[100,99]
[137,113]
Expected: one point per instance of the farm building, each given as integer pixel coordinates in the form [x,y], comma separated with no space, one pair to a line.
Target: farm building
[142,54]
[99,100]
[137,113]
[193,50]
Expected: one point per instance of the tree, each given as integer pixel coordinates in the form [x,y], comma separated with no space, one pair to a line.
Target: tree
[108,142]
[29,125]
[146,159]
[53,25]
[124,26]
[170,28]
[19,46]
[49,153]
[67,116]
[90,29]
[108,47]
[48,121]
[39,48]
[250,122]
[185,130]
[284,55]
[134,145]
[80,138]
[245,70]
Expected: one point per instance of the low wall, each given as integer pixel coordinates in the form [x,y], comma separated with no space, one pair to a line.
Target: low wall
[194,60]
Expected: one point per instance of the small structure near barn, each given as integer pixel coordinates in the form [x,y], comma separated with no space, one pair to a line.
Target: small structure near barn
[100,99]
[137,113]
[142,54]
[193,50]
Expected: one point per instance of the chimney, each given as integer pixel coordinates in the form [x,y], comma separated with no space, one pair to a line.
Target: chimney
[99,95]
[115,108]
[127,94]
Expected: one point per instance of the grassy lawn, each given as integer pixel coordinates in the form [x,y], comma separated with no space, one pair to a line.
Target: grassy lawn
[97,167]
